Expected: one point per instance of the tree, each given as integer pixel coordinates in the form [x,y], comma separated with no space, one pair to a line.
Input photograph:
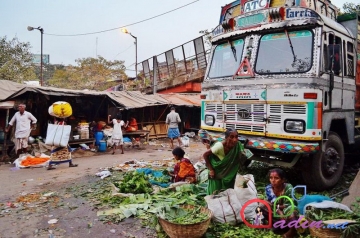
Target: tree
[351,8]
[16,61]
[90,73]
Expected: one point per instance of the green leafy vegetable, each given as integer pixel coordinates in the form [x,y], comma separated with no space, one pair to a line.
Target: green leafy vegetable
[134,182]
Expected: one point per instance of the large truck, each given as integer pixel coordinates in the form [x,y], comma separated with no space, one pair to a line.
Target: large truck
[286,75]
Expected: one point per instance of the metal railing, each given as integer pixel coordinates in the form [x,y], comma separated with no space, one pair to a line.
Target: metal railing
[176,66]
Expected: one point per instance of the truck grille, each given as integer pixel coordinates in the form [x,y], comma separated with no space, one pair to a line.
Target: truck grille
[215,108]
[275,113]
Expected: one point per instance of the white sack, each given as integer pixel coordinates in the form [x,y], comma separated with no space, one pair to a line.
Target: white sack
[58,135]
[245,190]
[225,207]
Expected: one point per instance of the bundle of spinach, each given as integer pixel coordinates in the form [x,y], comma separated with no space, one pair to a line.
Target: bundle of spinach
[185,216]
[134,182]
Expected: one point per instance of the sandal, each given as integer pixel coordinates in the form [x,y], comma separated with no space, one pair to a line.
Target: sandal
[73,165]
[113,153]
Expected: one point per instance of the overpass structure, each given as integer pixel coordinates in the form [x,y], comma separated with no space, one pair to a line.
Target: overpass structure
[178,70]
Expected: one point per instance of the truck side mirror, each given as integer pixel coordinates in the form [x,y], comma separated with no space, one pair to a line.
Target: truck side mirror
[331,84]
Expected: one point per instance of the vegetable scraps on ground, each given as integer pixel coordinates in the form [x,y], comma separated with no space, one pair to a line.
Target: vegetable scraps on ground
[145,206]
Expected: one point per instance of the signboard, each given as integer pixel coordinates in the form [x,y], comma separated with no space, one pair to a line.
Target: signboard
[251,20]
[37,57]
[252,5]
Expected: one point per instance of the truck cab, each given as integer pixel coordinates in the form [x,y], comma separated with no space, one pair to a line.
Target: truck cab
[284,77]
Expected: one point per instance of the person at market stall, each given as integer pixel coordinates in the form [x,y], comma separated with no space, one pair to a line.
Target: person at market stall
[173,120]
[25,122]
[279,187]
[60,121]
[223,160]
[117,136]
[184,169]
[206,139]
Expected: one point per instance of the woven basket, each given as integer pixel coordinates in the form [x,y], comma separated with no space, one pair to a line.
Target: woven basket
[63,154]
[324,232]
[195,230]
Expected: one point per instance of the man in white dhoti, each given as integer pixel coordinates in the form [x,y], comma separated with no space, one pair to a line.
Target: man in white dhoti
[25,122]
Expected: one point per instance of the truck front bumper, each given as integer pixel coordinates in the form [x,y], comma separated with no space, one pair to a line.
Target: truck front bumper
[282,146]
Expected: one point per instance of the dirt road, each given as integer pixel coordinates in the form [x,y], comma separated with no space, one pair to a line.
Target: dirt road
[24,213]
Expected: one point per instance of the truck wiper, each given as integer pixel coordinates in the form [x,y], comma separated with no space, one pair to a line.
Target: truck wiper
[233,49]
[291,46]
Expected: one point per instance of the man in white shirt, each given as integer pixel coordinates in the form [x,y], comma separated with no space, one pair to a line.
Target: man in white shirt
[25,122]
[173,119]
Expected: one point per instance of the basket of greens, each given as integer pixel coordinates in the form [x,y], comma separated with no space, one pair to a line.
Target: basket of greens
[185,221]
[332,223]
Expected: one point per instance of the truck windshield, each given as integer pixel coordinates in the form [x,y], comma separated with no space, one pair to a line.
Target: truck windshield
[286,52]
[226,59]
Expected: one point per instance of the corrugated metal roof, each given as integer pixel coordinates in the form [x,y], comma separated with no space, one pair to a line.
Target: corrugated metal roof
[135,99]
[188,99]
[8,88]
[128,99]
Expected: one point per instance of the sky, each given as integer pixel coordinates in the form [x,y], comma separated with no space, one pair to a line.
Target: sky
[73,17]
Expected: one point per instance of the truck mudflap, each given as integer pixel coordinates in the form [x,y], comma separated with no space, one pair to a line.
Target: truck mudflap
[282,146]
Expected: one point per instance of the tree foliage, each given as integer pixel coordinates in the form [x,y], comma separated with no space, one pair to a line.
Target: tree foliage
[89,73]
[16,60]
[351,7]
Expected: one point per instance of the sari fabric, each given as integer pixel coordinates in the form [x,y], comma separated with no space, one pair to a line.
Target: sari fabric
[183,169]
[225,169]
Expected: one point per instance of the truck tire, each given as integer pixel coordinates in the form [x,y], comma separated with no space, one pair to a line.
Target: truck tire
[324,169]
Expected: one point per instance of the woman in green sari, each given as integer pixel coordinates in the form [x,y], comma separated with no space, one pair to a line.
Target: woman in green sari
[223,160]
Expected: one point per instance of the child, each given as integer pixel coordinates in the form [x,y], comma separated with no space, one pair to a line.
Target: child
[184,169]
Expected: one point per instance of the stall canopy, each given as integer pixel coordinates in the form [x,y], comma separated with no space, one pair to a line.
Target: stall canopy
[135,99]
[7,88]
[188,99]
[127,99]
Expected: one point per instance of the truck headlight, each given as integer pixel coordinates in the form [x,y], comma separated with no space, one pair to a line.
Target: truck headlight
[209,120]
[294,126]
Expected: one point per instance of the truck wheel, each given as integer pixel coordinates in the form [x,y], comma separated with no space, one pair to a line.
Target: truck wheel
[324,169]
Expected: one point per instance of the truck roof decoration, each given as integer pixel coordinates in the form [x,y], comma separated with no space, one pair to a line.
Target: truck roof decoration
[242,14]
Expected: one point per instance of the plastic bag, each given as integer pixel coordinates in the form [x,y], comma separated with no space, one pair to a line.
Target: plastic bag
[103,174]
[185,141]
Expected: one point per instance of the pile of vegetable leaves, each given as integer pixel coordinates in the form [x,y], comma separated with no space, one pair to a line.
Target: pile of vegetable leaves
[184,216]
[135,183]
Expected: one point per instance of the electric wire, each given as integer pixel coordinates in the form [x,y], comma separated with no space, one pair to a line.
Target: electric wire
[131,24]
[123,51]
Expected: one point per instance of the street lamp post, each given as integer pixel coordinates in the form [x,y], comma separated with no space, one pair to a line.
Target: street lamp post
[30,28]
[127,32]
